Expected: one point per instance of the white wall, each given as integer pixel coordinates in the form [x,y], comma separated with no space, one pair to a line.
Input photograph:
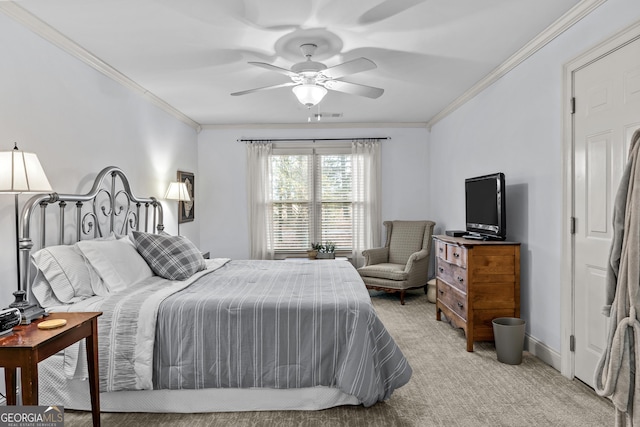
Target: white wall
[515,126]
[222,179]
[78,121]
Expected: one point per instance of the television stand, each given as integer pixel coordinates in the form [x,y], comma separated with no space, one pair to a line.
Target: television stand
[476,281]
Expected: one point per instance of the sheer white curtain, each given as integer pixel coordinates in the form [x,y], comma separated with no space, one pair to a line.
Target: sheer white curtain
[366,197]
[259,199]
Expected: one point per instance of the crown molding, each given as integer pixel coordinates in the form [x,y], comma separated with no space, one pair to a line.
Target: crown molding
[312,125]
[561,25]
[58,39]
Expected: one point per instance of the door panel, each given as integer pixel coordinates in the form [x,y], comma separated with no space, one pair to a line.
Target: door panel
[607,94]
[596,331]
[598,185]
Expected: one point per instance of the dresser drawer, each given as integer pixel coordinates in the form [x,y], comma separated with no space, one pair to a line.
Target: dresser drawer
[452,274]
[441,250]
[451,253]
[455,300]
[457,255]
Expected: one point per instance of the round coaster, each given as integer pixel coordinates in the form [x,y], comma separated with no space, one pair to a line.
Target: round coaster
[52,324]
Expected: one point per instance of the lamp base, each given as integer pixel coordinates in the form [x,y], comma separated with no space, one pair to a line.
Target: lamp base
[28,311]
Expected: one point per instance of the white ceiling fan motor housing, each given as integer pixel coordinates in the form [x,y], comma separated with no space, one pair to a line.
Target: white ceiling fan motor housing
[308,66]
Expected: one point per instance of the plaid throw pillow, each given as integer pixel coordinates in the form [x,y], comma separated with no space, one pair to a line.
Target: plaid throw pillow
[171,257]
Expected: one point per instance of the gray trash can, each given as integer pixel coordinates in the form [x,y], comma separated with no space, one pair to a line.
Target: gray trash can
[508,333]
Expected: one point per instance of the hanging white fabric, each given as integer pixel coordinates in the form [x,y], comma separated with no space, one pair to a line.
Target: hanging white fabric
[616,373]
[259,199]
[367,218]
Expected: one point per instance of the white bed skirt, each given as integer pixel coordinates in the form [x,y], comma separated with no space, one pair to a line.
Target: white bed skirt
[55,389]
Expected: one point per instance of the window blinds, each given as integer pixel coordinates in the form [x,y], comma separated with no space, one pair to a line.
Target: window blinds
[311,199]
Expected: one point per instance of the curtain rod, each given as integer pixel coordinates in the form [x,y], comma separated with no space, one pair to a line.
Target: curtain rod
[306,139]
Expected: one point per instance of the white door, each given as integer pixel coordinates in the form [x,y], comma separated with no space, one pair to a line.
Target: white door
[607,112]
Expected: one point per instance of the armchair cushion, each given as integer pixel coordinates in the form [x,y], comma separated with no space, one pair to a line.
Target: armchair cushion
[384,270]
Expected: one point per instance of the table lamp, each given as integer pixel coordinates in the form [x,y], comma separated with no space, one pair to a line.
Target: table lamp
[21,172]
[177,191]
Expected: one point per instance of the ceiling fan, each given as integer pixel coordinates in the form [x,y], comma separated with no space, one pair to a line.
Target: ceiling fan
[311,79]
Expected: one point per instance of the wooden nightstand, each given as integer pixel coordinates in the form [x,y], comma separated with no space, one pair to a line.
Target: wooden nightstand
[28,345]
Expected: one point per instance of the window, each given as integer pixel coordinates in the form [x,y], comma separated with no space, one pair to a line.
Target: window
[311,193]
[304,193]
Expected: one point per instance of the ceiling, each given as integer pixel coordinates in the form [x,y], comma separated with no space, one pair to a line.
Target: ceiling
[193,54]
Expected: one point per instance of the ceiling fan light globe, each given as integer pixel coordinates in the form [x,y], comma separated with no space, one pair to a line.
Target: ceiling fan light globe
[309,94]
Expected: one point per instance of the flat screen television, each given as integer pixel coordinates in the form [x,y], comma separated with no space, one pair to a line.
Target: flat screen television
[485,207]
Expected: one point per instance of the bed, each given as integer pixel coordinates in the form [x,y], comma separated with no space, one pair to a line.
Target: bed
[183,334]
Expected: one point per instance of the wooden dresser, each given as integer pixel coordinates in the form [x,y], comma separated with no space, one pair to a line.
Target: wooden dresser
[476,281]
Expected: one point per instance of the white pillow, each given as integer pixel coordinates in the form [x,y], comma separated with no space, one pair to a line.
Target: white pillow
[70,277]
[42,291]
[116,261]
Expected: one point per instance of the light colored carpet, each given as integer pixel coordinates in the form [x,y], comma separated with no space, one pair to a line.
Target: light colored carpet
[449,387]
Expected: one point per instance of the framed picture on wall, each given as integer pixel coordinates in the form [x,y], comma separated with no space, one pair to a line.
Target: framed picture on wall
[186,210]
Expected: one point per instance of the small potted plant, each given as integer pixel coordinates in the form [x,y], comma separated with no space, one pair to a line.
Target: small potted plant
[326,251]
[313,252]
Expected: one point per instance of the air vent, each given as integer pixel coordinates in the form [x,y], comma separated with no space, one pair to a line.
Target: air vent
[320,116]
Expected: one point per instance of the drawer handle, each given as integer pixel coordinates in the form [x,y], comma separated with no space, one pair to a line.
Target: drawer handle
[460,279]
[440,249]
[441,291]
[441,270]
[456,255]
[460,305]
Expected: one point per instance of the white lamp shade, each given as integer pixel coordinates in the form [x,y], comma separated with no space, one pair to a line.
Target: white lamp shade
[177,191]
[309,94]
[22,172]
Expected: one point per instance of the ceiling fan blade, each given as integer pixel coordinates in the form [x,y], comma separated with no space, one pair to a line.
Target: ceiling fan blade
[386,10]
[274,68]
[354,88]
[244,92]
[350,67]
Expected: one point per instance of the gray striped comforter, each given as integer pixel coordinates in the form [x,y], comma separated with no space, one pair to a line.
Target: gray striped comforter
[277,324]
[267,324]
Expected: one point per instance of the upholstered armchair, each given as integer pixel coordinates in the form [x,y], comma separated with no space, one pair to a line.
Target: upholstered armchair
[403,263]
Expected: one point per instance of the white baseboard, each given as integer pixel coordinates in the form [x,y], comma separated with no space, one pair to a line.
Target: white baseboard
[543,352]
